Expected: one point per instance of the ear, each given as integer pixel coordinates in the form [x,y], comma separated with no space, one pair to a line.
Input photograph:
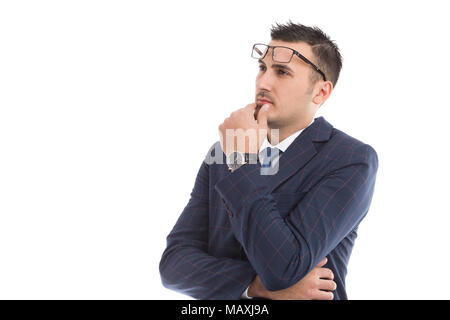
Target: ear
[323,92]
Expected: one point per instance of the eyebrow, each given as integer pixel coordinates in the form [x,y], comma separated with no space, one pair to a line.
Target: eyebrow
[280,66]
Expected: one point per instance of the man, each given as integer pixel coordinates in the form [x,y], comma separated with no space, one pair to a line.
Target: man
[278,224]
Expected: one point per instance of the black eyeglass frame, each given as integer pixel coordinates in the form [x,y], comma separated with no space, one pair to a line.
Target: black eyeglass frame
[293,52]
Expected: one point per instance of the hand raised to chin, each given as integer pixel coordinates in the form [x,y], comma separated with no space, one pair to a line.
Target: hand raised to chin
[241,132]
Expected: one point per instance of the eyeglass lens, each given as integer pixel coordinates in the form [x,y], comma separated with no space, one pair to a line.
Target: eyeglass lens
[280,54]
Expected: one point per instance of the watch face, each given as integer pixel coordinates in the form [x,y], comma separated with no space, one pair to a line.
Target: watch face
[235,160]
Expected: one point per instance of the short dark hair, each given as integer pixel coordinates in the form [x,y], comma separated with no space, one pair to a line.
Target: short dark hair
[327,55]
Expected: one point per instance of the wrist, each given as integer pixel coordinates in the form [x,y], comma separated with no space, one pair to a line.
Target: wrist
[237,159]
[257,290]
[252,291]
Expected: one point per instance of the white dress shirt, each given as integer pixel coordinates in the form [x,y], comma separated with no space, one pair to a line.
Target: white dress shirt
[282,146]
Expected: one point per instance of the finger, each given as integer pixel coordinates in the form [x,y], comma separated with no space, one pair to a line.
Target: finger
[255,113]
[262,116]
[251,106]
[322,263]
[327,285]
[325,273]
[324,295]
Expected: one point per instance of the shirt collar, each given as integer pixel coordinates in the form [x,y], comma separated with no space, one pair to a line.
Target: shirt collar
[283,145]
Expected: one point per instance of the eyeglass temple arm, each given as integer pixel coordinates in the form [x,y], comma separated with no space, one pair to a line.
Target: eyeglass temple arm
[312,64]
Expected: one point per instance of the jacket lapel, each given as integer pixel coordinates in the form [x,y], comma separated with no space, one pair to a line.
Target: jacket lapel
[300,151]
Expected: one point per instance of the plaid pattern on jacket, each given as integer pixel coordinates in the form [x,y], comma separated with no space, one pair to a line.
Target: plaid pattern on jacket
[280,226]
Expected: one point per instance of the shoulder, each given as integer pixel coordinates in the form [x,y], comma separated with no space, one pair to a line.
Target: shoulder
[350,149]
[214,157]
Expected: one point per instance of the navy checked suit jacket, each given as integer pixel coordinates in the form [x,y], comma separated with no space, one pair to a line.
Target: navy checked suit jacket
[280,226]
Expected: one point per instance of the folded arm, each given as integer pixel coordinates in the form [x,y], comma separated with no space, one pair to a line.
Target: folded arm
[284,250]
[187,267]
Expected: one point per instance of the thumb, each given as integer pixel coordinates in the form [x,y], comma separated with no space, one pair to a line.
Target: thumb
[322,263]
[262,116]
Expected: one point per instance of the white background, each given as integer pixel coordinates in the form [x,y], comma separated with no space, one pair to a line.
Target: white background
[107,109]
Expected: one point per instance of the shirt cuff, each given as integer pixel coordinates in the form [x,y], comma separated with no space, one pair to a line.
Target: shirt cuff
[245,295]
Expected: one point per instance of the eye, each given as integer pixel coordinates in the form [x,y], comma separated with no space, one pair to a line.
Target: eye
[262,67]
[282,72]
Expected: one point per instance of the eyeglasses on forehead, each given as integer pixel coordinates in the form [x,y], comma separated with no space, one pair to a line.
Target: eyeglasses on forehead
[281,54]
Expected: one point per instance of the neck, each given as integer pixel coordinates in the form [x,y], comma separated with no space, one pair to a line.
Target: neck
[285,132]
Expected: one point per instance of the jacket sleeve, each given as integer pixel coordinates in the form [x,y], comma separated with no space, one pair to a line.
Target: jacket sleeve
[284,250]
[187,267]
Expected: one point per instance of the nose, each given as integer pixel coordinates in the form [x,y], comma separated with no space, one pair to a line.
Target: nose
[264,82]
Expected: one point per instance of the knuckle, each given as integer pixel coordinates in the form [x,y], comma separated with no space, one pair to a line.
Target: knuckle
[328,273]
[331,274]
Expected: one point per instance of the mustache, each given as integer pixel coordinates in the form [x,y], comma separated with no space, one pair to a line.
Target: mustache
[264,95]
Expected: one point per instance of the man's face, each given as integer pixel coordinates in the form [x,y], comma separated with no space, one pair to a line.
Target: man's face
[287,86]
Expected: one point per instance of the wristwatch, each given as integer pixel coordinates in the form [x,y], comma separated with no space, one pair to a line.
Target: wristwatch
[237,159]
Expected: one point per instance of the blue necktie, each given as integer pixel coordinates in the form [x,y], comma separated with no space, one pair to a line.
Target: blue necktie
[268,155]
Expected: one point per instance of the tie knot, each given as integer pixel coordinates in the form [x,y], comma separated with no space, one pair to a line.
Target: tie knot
[271,151]
[268,154]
